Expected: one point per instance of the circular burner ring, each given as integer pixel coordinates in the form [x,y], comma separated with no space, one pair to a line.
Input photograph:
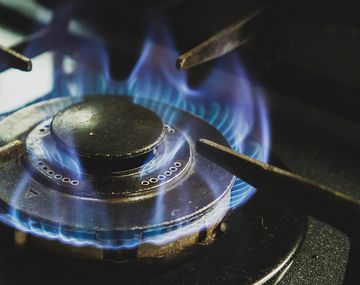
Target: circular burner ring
[118,218]
[52,165]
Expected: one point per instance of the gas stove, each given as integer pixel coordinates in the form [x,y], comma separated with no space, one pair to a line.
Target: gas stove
[100,169]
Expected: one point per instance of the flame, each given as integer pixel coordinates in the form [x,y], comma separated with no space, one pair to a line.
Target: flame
[226,99]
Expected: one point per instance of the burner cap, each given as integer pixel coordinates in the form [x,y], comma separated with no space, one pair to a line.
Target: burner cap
[108,130]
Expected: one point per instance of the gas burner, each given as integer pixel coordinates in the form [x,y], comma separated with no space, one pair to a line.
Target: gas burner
[109,173]
[105,178]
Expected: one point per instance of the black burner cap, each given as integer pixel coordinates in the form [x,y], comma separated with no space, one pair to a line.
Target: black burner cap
[108,132]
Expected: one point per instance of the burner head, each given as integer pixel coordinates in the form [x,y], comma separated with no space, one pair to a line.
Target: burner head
[259,241]
[108,133]
[171,203]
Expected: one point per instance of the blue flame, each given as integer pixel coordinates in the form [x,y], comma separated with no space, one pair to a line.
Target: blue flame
[226,99]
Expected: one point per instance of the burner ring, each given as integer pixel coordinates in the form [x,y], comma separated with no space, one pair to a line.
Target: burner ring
[120,221]
[44,156]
